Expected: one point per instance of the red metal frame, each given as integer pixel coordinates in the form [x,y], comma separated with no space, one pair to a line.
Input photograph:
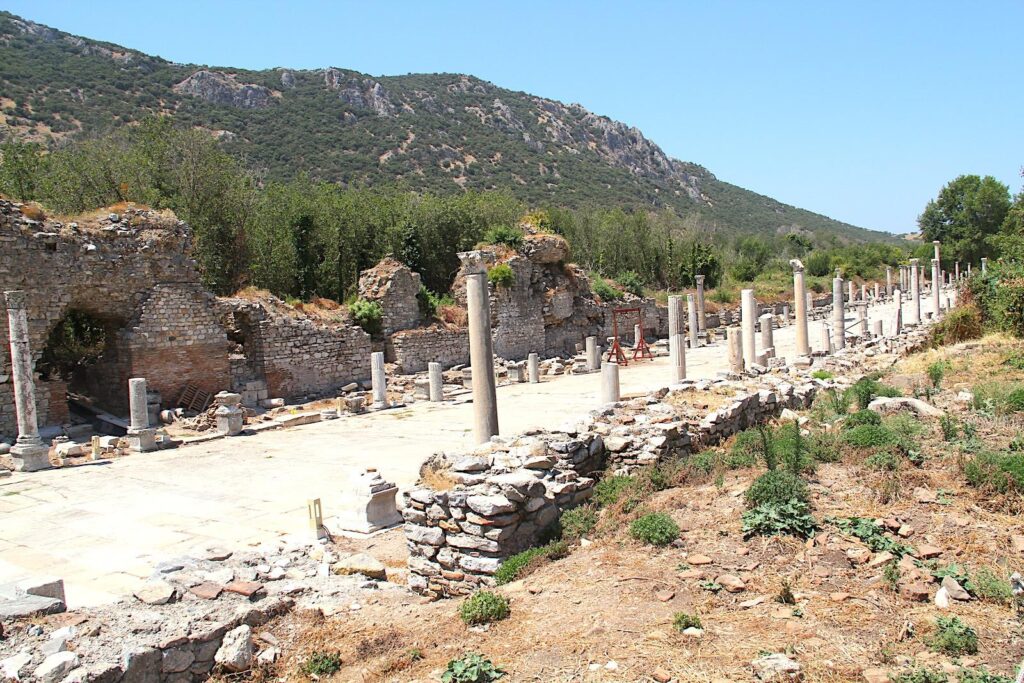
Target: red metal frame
[640,350]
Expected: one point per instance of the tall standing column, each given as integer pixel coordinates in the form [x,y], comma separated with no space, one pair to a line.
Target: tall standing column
[533,368]
[826,339]
[937,243]
[735,349]
[748,321]
[897,325]
[767,335]
[984,265]
[850,292]
[915,293]
[379,380]
[956,271]
[888,281]
[936,288]
[436,382]
[141,438]
[691,321]
[29,453]
[838,315]
[803,344]
[481,350]
[675,334]
[877,292]
[609,383]
[637,335]
[593,355]
[701,322]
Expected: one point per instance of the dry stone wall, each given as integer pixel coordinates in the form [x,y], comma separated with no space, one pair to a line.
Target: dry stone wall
[395,288]
[412,350]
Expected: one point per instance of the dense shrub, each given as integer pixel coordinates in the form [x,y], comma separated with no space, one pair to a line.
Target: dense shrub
[998,398]
[777,487]
[790,449]
[501,275]
[988,585]
[471,668]
[960,324]
[656,528]
[748,447]
[953,637]
[869,436]
[603,290]
[578,522]
[609,490]
[824,447]
[999,296]
[483,607]
[368,315]
[519,565]
[630,282]
[503,234]
[822,374]
[791,517]
[883,460]
[868,388]
[996,471]
[862,417]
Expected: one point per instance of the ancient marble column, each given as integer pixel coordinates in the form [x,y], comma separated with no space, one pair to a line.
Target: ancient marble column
[379,380]
[956,271]
[677,356]
[533,368]
[637,335]
[29,453]
[984,265]
[735,349]
[850,292]
[936,289]
[897,325]
[785,314]
[838,315]
[803,344]
[937,257]
[141,438]
[701,322]
[593,355]
[826,339]
[878,328]
[481,349]
[609,383]
[888,281]
[767,322]
[915,293]
[863,292]
[691,318]
[877,292]
[748,320]
[436,382]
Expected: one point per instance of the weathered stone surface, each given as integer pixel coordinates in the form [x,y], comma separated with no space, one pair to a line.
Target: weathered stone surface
[776,667]
[155,593]
[360,563]
[55,667]
[236,651]
[28,606]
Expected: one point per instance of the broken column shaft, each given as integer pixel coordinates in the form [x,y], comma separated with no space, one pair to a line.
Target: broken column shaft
[481,352]
[29,453]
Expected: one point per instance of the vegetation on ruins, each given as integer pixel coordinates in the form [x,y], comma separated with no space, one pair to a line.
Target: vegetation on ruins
[319,664]
[501,275]
[953,637]
[519,565]
[483,607]
[682,621]
[368,315]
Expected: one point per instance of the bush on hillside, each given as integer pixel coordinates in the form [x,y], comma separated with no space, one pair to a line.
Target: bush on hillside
[368,315]
[654,529]
[777,487]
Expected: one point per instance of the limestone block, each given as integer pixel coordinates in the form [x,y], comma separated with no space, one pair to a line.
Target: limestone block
[369,504]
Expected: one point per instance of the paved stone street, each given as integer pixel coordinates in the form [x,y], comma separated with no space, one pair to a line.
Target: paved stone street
[102,527]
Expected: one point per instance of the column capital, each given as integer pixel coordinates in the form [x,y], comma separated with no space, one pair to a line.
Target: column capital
[475,262]
[15,299]
[797,264]
[699,279]
[915,261]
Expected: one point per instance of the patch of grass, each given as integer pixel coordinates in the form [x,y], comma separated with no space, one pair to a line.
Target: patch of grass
[471,668]
[748,447]
[937,370]
[950,427]
[995,471]
[655,528]
[920,675]
[862,417]
[483,607]
[609,490]
[521,564]
[883,460]
[578,522]
[869,436]
[998,398]
[503,234]
[988,585]
[603,290]
[953,637]
[785,595]
[501,275]
[824,447]
[682,621]
[891,575]
[960,324]
[871,534]
[980,676]
[822,374]
[867,388]
[321,664]
[777,487]
[792,518]
[705,462]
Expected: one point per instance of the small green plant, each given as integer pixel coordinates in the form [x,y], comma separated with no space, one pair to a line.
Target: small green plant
[988,585]
[429,302]
[368,315]
[980,676]
[950,427]
[792,518]
[610,490]
[656,528]
[862,417]
[704,462]
[953,637]
[919,675]
[501,275]
[822,374]
[995,471]
[777,487]
[785,595]
[871,534]
[868,388]
[321,664]
[578,522]
[937,370]
[824,447]
[790,448]
[471,668]
[869,436]
[603,290]
[891,575]
[748,447]
[1017,444]
[503,234]
[483,607]
[519,565]
[710,586]
[682,621]
[883,460]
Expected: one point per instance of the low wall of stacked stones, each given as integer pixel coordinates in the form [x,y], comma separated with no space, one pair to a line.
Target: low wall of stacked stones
[509,492]
[413,350]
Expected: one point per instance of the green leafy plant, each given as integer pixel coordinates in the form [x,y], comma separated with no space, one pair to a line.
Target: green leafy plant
[368,315]
[950,427]
[869,436]
[429,302]
[790,448]
[503,234]
[883,460]
[920,675]
[891,575]
[710,586]
[501,275]
[980,676]
[321,664]
[656,528]
[824,447]
[578,522]
[791,517]
[519,565]
[630,281]
[861,417]
[822,374]
[471,668]
[682,621]
[871,534]
[988,585]
[937,370]
[953,637]
[603,290]
[777,487]
[483,607]
[868,388]
[995,471]
[609,490]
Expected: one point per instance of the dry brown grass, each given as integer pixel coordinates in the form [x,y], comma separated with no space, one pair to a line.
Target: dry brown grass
[33,211]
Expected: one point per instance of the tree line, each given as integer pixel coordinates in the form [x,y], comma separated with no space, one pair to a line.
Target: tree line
[305,238]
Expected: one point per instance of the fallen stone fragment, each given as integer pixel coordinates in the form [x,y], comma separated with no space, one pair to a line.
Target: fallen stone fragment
[236,651]
[661,676]
[155,593]
[942,598]
[698,559]
[916,591]
[244,588]
[776,667]
[15,667]
[928,552]
[207,590]
[731,583]
[55,667]
[954,589]
[665,595]
[361,563]
[884,404]
[875,675]
[1017,542]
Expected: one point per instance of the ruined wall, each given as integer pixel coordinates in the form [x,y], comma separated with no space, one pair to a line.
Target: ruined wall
[395,287]
[412,350]
[105,267]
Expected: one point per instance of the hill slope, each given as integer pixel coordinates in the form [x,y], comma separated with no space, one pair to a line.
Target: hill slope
[434,132]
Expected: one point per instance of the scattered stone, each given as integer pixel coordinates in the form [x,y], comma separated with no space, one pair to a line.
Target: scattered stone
[916,590]
[15,667]
[361,563]
[661,676]
[928,552]
[244,588]
[1017,542]
[693,632]
[155,593]
[923,495]
[776,667]
[236,651]
[698,559]
[875,675]
[942,598]
[207,590]
[55,667]
[731,583]
[754,602]
[665,595]
[954,589]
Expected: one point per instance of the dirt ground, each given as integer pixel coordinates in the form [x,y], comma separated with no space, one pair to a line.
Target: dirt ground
[604,613]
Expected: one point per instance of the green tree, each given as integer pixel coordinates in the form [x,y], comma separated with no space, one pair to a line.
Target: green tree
[21,164]
[967,213]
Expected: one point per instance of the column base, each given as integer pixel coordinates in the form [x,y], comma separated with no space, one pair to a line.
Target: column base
[142,440]
[30,458]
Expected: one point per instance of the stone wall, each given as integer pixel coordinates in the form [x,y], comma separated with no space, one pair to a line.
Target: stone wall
[412,350]
[512,489]
[395,288]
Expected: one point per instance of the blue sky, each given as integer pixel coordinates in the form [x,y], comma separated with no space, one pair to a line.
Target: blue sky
[859,110]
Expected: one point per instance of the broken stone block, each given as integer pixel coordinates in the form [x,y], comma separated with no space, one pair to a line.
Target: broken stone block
[236,651]
[55,667]
[29,606]
[155,593]
[360,563]
[229,413]
[370,504]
